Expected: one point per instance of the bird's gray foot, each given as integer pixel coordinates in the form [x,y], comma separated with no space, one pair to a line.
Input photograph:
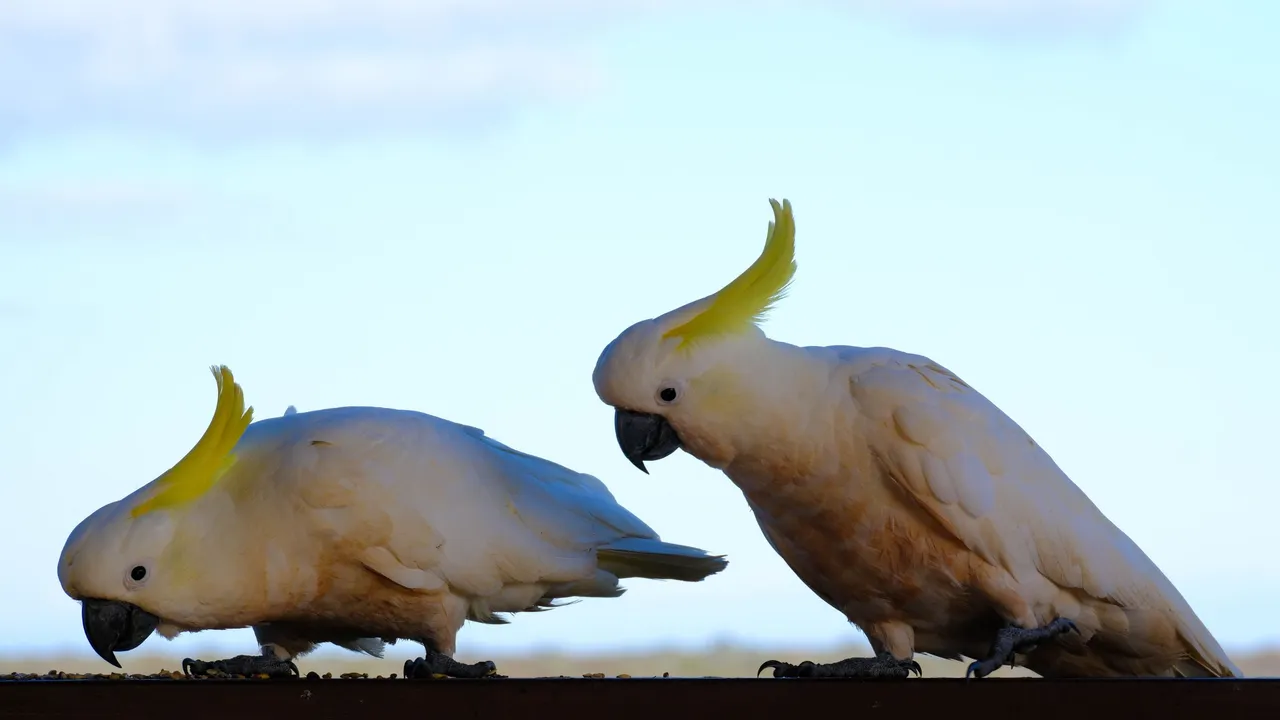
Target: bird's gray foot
[1011,640]
[243,665]
[883,665]
[436,665]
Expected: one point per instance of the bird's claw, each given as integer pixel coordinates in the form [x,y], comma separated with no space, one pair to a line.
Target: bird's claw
[781,669]
[881,666]
[437,666]
[240,665]
[1011,640]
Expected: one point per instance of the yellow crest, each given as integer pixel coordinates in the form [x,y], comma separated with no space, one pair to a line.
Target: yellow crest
[745,301]
[211,457]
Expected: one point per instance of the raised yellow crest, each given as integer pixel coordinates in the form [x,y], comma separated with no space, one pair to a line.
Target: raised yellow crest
[196,472]
[744,302]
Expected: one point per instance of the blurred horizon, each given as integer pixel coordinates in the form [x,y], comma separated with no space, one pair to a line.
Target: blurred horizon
[453,207]
[714,660]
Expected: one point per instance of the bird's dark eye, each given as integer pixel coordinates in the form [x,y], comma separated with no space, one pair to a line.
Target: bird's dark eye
[138,573]
[667,394]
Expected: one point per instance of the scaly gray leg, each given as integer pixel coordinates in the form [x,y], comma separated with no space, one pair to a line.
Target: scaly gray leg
[1011,640]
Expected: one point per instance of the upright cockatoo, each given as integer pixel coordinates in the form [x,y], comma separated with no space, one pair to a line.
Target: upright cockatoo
[898,493]
[355,526]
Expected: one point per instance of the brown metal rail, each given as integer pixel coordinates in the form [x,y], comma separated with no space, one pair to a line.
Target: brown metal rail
[648,698]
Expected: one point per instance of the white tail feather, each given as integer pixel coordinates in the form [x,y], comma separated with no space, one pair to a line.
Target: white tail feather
[657,560]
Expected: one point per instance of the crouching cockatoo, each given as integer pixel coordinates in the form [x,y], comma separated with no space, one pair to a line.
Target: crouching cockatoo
[356,526]
[898,493]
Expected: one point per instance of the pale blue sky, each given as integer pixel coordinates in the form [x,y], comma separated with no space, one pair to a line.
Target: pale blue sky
[1075,212]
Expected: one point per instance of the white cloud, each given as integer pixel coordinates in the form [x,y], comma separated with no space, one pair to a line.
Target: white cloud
[259,67]
[231,66]
[52,211]
[1051,16]
[100,194]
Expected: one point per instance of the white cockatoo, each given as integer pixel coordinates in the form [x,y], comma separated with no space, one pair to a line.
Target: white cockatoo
[898,493]
[356,526]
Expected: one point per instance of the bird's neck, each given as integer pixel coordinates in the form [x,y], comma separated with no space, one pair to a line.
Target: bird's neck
[761,409]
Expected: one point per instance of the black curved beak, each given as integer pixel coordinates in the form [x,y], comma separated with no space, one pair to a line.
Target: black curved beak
[112,625]
[643,436]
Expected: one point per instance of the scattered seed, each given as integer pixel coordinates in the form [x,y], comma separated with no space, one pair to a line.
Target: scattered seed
[213,675]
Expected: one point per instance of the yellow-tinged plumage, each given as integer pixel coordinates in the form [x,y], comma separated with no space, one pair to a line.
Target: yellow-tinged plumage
[900,495]
[211,457]
[745,301]
[356,526]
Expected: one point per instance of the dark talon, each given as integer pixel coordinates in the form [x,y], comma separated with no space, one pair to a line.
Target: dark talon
[784,670]
[770,664]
